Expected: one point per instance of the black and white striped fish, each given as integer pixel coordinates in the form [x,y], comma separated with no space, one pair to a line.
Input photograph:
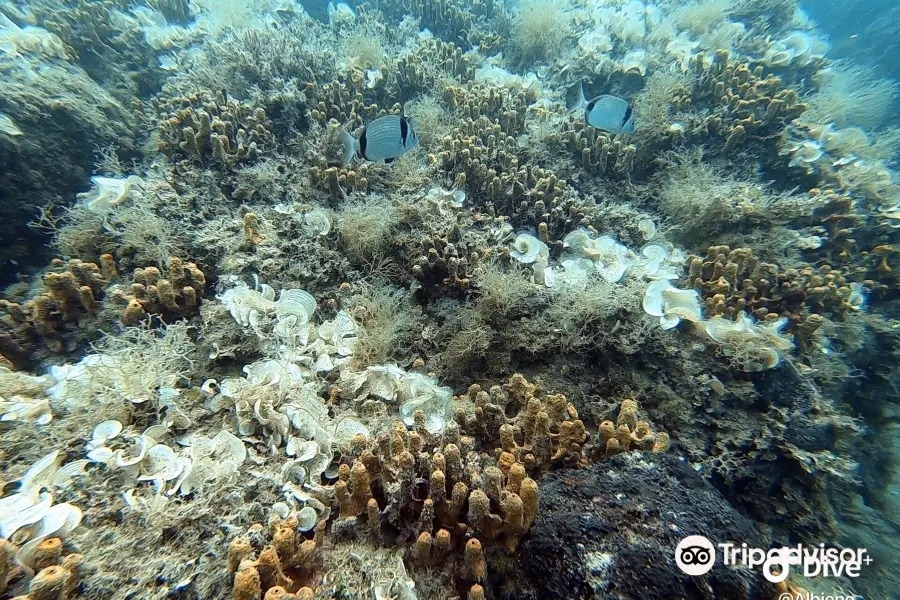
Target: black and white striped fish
[383,139]
[607,113]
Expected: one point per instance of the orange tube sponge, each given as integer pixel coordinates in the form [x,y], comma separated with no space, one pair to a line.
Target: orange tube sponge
[247,584]
[373,513]
[513,519]
[422,548]
[442,543]
[278,593]
[7,563]
[475,560]
[50,584]
[528,492]
[72,563]
[238,550]
[360,483]
[269,567]
[48,553]
[514,478]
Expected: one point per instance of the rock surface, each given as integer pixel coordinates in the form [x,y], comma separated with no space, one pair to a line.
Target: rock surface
[610,531]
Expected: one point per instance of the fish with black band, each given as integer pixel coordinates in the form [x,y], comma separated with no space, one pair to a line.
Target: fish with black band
[382,140]
[607,113]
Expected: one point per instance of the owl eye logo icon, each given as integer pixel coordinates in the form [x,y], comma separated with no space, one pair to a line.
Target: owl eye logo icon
[695,555]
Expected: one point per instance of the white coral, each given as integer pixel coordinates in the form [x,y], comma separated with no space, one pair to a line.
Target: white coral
[798,49]
[32,506]
[283,324]
[108,192]
[671,304]
[412,391]
[23,397]
[611,259]
[528,249]
[754,346]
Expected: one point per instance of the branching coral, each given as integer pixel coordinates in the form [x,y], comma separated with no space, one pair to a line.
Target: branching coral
[141,365]
[459,22]
[502,294]
[590,315]
[432,66]
[213,129]
[136,229]
[260,55]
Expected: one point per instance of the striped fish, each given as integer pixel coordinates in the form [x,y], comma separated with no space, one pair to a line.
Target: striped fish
[384,139]
[607,113]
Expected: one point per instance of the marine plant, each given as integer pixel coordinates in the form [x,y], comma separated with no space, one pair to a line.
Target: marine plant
[386,325]
[540,30]
[365,227]
[851,95]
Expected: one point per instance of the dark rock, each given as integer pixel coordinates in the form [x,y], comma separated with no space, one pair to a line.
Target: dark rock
[811,435]
[785,388]
[610,531]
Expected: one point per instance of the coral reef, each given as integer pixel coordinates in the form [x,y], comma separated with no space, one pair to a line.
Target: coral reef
[734,281]
[718,285]
[456,490]
[213,129]
[80,295]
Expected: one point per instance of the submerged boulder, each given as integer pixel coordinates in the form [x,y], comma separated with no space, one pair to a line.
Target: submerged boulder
[610,531]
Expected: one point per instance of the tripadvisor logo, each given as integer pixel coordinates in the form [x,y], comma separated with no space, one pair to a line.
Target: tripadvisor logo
[695,555]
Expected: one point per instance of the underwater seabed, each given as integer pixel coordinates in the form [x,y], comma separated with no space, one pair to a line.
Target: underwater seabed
[523,358]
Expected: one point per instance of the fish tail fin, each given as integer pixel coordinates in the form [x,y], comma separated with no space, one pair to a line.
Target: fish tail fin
[575,98]
[350,145]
